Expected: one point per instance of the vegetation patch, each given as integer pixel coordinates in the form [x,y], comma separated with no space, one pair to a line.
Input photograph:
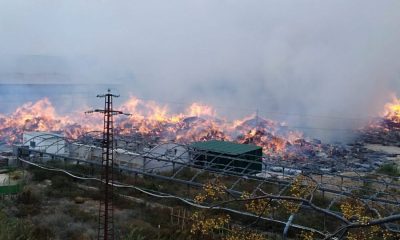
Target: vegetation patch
[390,169]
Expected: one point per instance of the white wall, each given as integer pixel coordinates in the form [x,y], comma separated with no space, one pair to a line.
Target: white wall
[46,142]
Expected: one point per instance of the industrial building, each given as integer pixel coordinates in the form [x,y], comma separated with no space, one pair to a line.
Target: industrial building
[216,155]
[44,141]
[133,160]
[43,146]
[228,156]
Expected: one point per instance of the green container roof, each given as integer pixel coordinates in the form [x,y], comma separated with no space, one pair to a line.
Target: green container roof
[225,147]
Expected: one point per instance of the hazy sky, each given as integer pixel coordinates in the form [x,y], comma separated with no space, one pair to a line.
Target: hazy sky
[335,58]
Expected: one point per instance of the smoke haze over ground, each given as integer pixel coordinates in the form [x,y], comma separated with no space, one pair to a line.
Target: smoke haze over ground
[314,58]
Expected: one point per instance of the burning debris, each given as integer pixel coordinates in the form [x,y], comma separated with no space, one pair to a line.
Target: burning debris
[392,113]
[151,121]
[38,116]
[152,124]
[385,130]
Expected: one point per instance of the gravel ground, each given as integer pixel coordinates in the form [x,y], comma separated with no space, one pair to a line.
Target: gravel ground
[385,149]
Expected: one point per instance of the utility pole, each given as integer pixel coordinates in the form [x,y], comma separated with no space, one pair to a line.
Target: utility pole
[106,210]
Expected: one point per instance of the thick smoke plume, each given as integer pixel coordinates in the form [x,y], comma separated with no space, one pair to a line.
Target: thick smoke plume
[334,63]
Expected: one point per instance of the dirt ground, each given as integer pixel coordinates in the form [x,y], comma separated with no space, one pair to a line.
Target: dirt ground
[385,149]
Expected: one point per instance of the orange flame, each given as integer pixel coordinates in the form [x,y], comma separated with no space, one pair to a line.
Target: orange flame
[198,123]
[201,110]
[392,110]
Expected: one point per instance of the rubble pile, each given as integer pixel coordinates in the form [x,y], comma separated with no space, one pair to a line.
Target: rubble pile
[384,132]
[152,124]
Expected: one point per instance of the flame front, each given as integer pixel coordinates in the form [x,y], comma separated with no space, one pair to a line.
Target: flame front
[388,123]
[199,122]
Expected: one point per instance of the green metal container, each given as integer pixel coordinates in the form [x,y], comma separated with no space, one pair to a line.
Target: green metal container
[228,156]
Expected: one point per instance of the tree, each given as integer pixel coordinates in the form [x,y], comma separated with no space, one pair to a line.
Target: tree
[357,219]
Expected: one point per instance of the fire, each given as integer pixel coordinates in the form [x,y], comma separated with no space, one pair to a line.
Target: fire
[389,120]
[38,116]
[392,110]
[199,122]
[201,110]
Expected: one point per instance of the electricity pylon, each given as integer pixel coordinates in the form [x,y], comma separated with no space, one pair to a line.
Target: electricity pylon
[106,210]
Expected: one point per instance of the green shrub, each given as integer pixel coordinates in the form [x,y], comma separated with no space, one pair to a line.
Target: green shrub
[40,174]
[29,196]
[61,182]
[80,215]
[12,228]
[390,169]
[135,234]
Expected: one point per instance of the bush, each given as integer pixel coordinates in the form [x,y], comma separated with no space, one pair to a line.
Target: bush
[61,182]
[79,215]
[40,174]
[28,202]
[11,228]
[390,169]
[42,232]
[29,196]
[134,234]
[16,175]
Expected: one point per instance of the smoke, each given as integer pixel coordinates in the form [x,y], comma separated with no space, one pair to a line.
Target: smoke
[310,58]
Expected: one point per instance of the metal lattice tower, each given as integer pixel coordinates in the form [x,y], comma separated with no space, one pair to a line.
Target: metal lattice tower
[106,209]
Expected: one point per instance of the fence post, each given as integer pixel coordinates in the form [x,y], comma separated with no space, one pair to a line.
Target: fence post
[172,216]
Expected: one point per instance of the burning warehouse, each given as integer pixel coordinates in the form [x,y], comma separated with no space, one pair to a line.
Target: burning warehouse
[228,156]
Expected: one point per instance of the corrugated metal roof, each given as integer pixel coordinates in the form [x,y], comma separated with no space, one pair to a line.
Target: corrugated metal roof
[225,147]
